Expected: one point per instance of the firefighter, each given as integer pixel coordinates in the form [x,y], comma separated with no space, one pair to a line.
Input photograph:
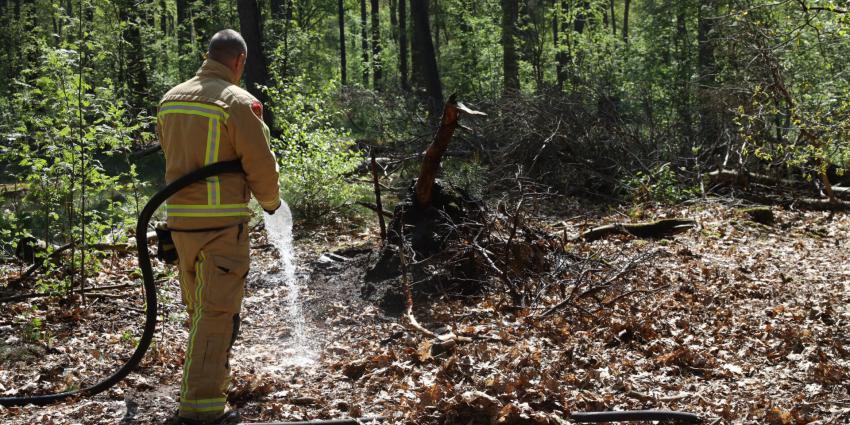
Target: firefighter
[208,119]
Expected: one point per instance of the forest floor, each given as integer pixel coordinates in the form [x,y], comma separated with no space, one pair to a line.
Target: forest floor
[737,321]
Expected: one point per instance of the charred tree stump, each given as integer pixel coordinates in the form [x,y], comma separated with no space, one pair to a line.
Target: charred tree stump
[423,222]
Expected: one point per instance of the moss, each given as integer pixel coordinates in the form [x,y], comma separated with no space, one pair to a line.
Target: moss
[763,215]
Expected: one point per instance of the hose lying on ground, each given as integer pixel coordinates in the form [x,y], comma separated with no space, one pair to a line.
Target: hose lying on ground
[234,166]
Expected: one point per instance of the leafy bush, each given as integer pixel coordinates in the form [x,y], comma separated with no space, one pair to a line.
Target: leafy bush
[314,155]
[660,185]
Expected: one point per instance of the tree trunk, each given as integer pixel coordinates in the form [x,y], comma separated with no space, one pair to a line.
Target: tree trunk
[364,42]
[287,25]
[613,18]
[376,47]
[256,71]
[626,6]
[394,19]
[434,154]
[164,18]
[706,71]
[184,38]
[683,101]
[424,51]
[402,45]
[342,64]
[136,75]
[203,24]
[561,48]
[276,7]
[510,68]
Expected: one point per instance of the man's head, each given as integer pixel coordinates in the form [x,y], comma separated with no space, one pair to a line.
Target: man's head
[229,48]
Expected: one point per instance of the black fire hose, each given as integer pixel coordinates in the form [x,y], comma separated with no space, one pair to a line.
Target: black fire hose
[150,288]
[635,415]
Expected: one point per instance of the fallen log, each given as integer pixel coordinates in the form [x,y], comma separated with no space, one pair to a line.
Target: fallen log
[654,229]
[724,177]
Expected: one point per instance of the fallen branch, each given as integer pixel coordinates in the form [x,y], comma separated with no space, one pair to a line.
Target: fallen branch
[87,291]
[374,207]
[654,229]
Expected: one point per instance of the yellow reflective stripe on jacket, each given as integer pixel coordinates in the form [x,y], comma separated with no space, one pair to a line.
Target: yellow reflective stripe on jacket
[210,157]
[221,210]
[193,108]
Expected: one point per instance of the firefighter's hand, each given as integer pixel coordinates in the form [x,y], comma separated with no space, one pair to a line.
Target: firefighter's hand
[271,206]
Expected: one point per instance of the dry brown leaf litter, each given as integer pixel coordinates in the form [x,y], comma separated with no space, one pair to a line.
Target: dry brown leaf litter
[735,320]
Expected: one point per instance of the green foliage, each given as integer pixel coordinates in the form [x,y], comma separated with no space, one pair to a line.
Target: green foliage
[314,155]
[66,144]
[660,185]
[469,176]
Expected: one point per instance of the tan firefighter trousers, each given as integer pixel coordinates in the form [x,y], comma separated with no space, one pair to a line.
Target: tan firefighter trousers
[213,267]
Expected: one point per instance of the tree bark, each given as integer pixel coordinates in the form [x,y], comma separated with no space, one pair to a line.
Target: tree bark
[626,7]
[424,51]
[561,47]
[683,101]
[707,72]
[364,42]
[613,18]
[137,79]
[276,7]
[342,63]
[434,154]
[394,19]
[402,45]
[376,47]
[256,71]
[510,67]
[184,37]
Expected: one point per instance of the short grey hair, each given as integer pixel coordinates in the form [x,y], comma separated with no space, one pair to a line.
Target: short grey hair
[226,45]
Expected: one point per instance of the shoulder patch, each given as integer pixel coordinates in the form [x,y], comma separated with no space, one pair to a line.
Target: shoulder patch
[257,108]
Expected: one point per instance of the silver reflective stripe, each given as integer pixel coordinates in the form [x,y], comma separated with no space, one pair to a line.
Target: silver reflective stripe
[207,210]
[202,405]
[210,111]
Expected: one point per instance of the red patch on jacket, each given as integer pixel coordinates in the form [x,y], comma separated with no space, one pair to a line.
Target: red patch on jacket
[257,108]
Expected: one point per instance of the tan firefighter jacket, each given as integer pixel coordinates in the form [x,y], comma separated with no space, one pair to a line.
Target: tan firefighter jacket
[210,119]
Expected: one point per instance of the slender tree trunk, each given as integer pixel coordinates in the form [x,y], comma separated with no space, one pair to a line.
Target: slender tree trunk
[256,71]
[437,15]
[377,73]
[706,71]
[137,79]
[342,64]
[184,38]
[415,67]
[424,49]
[287,25]
[364,42]
[561,47]
[613,18]
[683,103]
[163,18]
[626,6]
[402,45]
[276,7]
[394,19]
[510,67]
